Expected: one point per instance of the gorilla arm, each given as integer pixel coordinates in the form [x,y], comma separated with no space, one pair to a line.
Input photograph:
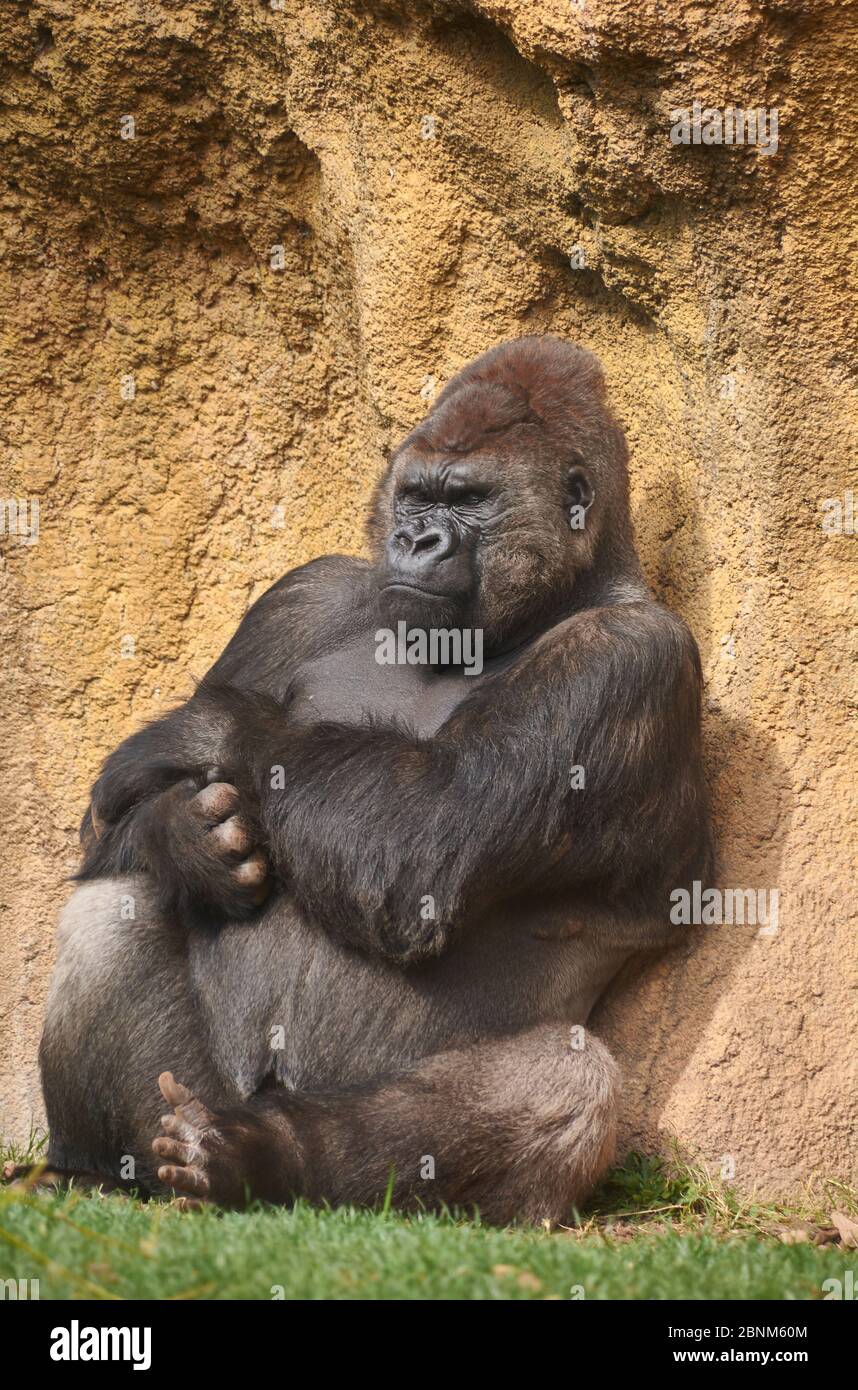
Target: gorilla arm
[369,824]
[151,808]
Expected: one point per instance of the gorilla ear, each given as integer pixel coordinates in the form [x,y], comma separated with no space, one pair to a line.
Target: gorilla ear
[579,487]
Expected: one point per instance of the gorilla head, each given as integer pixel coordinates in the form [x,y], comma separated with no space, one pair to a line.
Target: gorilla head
[508,499]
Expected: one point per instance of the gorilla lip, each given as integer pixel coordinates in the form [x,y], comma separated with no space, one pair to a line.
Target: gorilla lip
[415,589]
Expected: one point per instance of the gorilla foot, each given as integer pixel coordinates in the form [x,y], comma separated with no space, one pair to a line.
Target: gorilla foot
[229,1157]
[188,1134]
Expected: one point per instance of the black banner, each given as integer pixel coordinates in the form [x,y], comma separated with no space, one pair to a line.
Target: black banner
[222,1338]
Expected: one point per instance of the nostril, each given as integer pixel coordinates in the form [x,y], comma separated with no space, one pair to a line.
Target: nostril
[427,540]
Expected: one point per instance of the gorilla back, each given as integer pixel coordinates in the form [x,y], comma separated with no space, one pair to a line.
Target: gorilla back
[363,910]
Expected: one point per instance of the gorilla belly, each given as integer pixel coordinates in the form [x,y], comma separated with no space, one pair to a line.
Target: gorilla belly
[282,1001]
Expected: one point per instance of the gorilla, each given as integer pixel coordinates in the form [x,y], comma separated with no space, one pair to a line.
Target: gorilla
[353,914]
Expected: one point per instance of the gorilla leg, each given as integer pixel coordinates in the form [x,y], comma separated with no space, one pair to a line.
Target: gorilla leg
[520,1127]
[120,1009]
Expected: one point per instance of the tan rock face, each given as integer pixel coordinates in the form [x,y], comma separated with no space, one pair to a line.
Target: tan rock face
[242,247]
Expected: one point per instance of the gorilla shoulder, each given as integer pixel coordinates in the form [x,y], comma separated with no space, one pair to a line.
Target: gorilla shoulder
[308,612]
[339,584]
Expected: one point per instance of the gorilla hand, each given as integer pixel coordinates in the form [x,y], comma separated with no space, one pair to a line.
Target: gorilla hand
[201,848]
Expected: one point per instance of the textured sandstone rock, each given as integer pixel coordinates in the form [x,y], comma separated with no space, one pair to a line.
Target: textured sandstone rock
[426,169]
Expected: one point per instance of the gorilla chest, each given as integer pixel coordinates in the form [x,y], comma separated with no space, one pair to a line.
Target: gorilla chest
[351,686]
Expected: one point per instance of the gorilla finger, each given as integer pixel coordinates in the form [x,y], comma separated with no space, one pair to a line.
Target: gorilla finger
[253,871]
[172,1090]
[217,801]
[171,1148]
[190,1115]
[231,836]
[262,892]
[191,1180]
[195,1114]
[179,1129]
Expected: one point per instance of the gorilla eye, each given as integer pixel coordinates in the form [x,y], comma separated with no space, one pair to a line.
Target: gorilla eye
[464,497]
[416,495]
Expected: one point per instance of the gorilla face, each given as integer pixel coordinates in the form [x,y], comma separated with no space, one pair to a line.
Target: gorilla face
[484,542]
[430,571]
[510,497]
[481,542]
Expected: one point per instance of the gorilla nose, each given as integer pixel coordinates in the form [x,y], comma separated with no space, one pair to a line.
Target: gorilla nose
[431,541]
[415,554]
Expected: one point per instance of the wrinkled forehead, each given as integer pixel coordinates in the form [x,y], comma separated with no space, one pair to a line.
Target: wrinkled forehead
[416,464]
[516,455]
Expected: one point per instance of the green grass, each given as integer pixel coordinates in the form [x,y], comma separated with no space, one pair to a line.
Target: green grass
[654,1231]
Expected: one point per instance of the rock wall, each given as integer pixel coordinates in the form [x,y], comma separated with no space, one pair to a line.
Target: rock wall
[243,243]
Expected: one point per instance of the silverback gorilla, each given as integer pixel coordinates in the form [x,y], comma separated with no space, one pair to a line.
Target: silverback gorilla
[358,908]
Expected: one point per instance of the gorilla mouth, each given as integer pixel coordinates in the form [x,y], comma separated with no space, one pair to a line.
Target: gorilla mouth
[416,589]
